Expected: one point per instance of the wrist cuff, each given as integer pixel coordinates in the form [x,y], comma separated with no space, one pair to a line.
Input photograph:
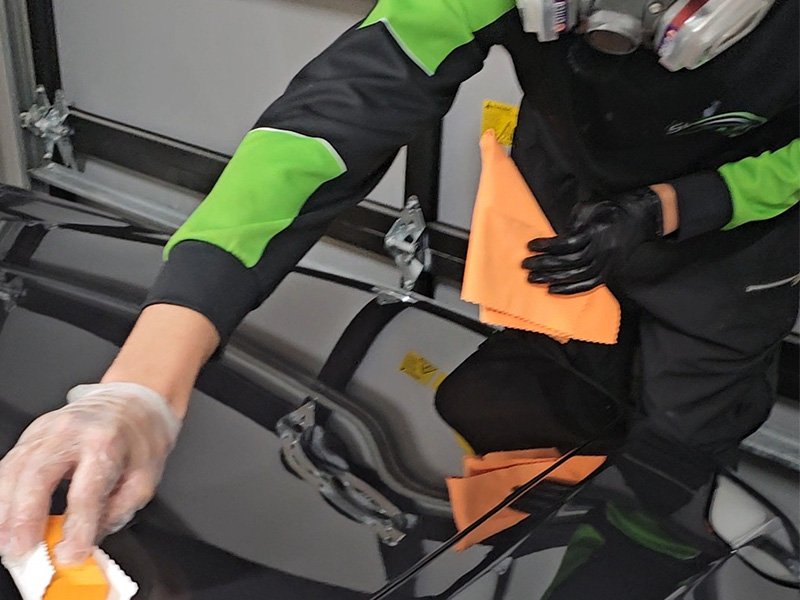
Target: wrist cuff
[208,280]
[704,204]
[656,211]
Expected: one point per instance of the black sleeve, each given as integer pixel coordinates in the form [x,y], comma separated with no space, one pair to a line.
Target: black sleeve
[704,203]
[321,148]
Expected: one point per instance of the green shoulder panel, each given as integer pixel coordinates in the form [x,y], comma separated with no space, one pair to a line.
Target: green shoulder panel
[763,187]
[429,30]
[261,192]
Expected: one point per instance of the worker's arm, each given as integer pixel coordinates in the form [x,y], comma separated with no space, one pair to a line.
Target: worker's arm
[165,352]
[318,150]
[322,147]
[604,234]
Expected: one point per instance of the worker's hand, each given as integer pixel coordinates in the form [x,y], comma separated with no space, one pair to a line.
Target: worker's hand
[601,237]
[112,441]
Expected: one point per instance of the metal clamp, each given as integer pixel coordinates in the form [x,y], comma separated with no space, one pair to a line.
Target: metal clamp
[407,243]
[306,454]
[48,122]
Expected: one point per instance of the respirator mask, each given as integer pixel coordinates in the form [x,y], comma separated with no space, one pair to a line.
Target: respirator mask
[684,33]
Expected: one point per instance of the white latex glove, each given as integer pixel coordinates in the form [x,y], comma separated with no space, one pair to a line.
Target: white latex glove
[112,441]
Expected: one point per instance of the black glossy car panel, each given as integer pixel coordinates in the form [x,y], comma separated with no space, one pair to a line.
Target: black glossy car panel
[636,530]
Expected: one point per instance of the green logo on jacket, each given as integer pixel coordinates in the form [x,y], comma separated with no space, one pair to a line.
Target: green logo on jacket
[727,124]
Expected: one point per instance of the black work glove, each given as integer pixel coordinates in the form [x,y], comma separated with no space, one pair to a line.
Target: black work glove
[601,237]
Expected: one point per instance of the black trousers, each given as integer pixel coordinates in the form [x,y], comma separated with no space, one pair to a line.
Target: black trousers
[702,323]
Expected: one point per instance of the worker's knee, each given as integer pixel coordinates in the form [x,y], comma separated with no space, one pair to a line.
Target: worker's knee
[457,407]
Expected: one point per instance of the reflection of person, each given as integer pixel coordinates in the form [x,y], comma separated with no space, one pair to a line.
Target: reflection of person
[648,535]
[715,144]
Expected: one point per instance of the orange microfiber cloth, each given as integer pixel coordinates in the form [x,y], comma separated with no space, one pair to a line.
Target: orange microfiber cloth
[489,479]
[506,218]
[81,582]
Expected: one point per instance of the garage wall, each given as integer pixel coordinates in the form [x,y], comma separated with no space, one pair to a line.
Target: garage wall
[201,71]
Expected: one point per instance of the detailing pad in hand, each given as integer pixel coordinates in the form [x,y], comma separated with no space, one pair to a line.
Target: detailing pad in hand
[506,218]
[39,577]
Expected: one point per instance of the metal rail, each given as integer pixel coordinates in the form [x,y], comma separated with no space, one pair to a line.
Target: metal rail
[12,155]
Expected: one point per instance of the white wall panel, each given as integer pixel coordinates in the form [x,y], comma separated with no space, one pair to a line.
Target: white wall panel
[200,71]
[461,161]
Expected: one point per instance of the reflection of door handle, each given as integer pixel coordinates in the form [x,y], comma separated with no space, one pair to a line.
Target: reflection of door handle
[306,455]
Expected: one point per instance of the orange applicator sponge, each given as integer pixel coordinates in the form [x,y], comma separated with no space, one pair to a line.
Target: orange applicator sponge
[79,582]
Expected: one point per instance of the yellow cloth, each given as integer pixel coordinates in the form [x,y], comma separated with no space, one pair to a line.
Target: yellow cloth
[506,218]
[489,479]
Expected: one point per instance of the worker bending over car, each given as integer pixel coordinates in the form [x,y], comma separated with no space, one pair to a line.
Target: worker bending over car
[660,138]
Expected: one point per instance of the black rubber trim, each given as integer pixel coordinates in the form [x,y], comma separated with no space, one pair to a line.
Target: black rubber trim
[423,180]
[423,171]
[155,155]
[25,245]
[130,233]
[788,373]
[47,66]
[334,278]
[355,342]
[11,196]
[420,303]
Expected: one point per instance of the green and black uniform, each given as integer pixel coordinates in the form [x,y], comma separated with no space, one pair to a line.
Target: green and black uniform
[724,134]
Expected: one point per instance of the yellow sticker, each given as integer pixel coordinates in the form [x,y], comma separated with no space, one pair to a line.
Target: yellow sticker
[464,445]
[421,370]
[502,118]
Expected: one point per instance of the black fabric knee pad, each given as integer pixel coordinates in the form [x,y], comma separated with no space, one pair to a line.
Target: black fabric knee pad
[518,391]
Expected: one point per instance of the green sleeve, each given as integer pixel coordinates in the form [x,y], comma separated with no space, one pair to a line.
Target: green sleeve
[762,187]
